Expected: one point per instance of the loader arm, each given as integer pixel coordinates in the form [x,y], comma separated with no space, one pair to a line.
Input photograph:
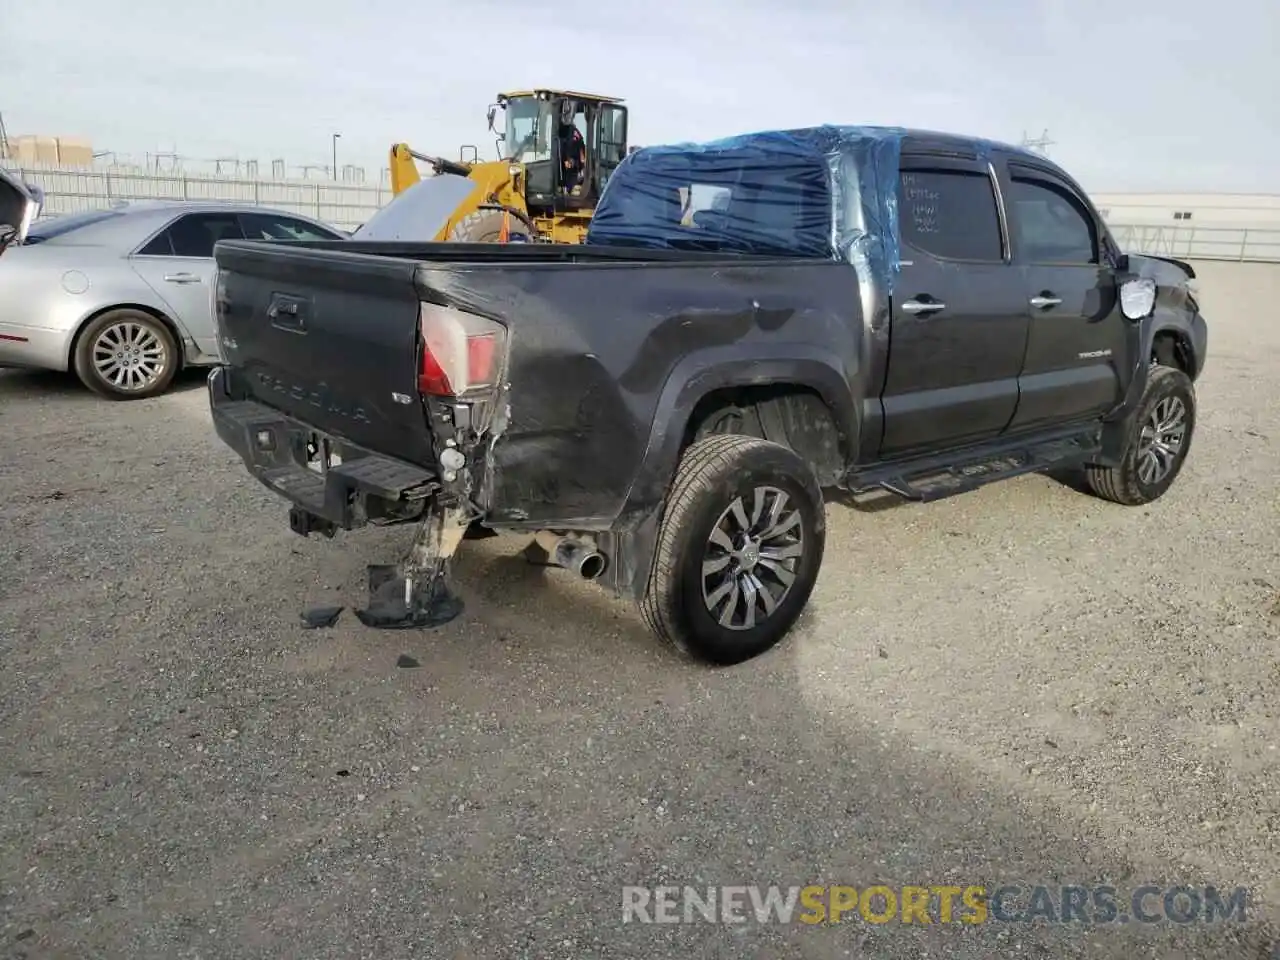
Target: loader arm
[404,171]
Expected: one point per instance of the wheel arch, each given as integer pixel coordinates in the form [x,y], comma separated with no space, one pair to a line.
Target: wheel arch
[1165,341]
[1172,346]
[140,308]
[795,415]
[697,385]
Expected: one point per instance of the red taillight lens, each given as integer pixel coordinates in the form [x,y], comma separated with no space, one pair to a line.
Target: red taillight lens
[461,353]
[480,358]
[432,380]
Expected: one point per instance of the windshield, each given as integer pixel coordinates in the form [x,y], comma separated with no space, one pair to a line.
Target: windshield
[528,136]
[735,200]
[60,225]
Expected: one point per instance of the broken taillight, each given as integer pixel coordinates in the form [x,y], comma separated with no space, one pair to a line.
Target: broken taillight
[461,353]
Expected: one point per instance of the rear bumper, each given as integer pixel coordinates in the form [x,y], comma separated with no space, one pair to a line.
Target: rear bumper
[34,347]
[365,487]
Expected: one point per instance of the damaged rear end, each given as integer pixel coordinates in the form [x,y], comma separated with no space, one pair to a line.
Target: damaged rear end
[347,392]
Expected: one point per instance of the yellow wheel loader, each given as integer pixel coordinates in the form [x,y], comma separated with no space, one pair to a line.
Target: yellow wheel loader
[558,149]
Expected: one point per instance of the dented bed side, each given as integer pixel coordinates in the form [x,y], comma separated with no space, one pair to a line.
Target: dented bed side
[607,360]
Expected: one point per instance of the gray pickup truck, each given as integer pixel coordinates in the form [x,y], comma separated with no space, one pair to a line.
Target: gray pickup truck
[749,322]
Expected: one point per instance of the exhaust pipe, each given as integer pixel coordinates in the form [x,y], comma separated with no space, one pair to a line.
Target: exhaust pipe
[580,556]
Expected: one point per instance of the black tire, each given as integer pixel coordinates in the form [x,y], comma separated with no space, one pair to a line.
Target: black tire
[1125,483]
[485,226]
[712,474]
[152,341]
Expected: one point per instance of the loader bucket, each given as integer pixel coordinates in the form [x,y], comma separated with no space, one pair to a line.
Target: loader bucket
[421,213]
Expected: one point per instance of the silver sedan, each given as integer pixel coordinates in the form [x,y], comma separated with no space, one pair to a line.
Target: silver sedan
[123,296]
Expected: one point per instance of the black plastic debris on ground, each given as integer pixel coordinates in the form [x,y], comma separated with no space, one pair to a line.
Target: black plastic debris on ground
[320,617]
[404,660]
[430,602]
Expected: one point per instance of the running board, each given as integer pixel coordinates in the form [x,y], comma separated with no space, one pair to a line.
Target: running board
[926,480]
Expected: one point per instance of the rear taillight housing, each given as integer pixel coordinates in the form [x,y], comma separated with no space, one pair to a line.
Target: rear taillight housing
[462,355]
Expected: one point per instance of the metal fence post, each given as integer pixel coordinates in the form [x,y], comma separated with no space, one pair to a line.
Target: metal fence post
[1244,244]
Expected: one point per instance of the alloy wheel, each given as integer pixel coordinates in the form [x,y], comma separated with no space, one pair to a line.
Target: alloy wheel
[1161,439]
[751,558]
[129,356]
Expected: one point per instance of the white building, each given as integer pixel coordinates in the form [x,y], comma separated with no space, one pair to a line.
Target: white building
[1218,226]
[1222,210]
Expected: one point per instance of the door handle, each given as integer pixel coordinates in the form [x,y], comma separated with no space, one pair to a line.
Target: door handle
[1040,302]
[287,312]
[181,278]
[922,306]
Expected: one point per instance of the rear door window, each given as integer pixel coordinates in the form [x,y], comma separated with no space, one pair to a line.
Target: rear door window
[950,214]
[194,235]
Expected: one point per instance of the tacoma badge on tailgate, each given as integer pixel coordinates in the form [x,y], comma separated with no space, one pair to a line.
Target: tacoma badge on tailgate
[320,396]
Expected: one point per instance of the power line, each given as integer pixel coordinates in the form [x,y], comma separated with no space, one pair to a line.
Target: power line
[1039,144]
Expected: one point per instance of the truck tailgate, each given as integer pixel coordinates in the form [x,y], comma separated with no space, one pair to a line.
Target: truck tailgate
[328,337]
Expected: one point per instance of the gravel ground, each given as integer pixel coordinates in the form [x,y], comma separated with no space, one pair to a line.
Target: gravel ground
[1021,685]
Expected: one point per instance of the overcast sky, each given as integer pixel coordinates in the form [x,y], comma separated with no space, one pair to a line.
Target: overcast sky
[1138,96]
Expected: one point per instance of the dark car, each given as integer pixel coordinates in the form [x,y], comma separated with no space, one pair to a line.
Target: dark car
[749,321]
[20,204]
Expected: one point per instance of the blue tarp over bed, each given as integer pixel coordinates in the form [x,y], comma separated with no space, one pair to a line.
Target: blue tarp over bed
[827,192]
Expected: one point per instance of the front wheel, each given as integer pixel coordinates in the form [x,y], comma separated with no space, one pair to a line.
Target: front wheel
[485,226]
[126,355]
[1158,442]
[738,552]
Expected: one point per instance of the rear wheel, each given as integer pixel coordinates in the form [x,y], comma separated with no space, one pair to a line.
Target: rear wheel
[1159,439]
[485,226]
[126,355]
[738,552]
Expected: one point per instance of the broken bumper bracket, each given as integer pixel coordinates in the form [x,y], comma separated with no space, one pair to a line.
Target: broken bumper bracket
[415,594]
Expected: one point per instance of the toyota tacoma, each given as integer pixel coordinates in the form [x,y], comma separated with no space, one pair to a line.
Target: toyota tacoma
[750,322]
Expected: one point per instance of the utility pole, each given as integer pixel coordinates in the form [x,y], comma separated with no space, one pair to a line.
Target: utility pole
[336,137]
[4,140]
[1039,144]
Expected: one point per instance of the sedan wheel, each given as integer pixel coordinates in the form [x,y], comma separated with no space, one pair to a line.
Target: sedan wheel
[126,355]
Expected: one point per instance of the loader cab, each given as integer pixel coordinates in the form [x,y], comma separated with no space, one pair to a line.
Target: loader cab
[532,137]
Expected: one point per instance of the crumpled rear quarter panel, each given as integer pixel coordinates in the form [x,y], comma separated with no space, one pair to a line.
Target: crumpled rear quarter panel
[592,346]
